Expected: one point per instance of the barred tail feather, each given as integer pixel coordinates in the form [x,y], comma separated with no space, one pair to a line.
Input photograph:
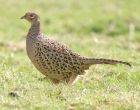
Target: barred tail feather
[92,61]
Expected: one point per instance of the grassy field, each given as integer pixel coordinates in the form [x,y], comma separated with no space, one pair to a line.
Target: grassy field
[93,28]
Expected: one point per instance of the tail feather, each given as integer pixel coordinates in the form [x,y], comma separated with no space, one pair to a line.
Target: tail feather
[91,61]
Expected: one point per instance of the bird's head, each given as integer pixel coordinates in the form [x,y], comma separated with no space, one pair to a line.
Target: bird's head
[30,16]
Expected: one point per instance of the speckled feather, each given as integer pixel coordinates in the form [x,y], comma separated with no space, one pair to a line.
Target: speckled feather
[55,60]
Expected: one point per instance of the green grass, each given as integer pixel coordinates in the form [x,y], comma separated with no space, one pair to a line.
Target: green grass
[99,28]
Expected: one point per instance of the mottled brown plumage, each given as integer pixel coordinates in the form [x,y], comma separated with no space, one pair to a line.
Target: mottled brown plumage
[56,61]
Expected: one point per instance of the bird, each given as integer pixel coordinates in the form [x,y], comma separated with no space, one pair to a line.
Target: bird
[54,59]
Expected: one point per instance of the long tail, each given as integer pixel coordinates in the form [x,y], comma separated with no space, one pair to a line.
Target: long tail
[91,61]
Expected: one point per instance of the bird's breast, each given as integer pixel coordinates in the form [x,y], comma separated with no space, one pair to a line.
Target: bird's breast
[30,47]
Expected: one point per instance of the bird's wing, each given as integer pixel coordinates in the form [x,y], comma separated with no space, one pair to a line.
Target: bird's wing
[61,57]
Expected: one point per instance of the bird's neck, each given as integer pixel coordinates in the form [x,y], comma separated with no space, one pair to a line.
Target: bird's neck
[34,30]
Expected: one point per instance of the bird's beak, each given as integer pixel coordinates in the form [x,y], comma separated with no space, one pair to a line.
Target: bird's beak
[23,17]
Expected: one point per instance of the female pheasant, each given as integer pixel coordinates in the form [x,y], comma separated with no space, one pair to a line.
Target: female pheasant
[56,61]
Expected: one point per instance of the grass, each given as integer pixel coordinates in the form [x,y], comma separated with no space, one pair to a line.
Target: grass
[99,28]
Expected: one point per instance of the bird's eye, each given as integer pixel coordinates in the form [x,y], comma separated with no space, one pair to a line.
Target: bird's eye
[31,16]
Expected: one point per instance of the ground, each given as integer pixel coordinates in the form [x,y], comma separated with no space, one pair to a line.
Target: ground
[99,28]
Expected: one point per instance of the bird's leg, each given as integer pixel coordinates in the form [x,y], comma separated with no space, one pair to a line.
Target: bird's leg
[55,81]
[71,79]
